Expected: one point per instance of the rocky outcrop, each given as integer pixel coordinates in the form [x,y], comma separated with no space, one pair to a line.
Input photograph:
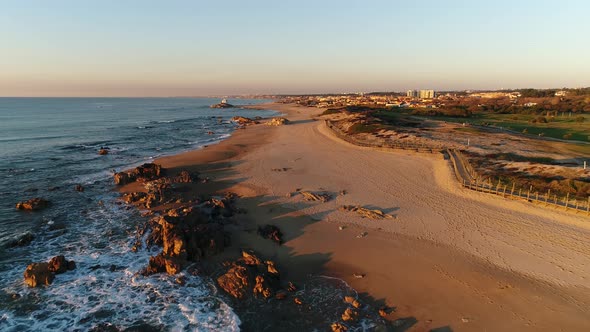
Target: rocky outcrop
[143,173]
[338,327]
[277,122]
[59,264]
[185,235]
[161,263]
[33,204]
[249,275]
[40,274]
[242,121]
[236,281]
[350,315]
[186,177]
[271,232]
[222,105]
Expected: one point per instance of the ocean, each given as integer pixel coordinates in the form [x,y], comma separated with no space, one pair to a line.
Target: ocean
[50,145]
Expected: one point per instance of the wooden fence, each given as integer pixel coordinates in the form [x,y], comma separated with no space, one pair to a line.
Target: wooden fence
[469,178]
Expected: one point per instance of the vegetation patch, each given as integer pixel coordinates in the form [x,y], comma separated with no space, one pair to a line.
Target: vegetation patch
[359,128]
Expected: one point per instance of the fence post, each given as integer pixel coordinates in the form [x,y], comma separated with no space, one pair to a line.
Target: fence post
[576,206]
[504,193]
[555,201]
[588,207]
[567,200]
[512,191]
[547,196]
[537,198]
[519,192]
[528,195]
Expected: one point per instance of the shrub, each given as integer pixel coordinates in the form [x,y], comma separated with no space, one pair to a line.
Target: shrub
[331,111]
[358,128]
[539,119]
[580,119]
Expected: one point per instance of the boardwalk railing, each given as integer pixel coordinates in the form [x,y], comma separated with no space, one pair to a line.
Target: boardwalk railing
[469,178]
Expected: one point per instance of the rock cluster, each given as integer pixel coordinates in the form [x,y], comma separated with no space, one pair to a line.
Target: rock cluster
[145,172]
[242,121]
[185,235]
[366,213]
[39,274]
[33,204]
[321,197]
[222,105]
[251,276]
[277,122]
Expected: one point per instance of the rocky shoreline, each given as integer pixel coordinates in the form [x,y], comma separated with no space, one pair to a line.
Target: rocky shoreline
[188,221]
[191,231]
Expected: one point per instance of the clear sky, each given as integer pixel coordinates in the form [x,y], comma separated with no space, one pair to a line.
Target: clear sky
[171,48]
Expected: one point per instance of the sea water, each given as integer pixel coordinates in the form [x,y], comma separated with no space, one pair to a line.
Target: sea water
[47,147]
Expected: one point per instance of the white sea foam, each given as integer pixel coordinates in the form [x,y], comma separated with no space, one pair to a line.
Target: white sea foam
[106,287]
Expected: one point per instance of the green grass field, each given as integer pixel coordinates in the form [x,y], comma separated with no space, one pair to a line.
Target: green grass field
[562,127]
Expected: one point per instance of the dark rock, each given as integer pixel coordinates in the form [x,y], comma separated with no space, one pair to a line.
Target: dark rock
[185,235]
[250,258]
[33,204]
[161,263]
[271,232]
[242,121]
[222,105]
[262,287]
[338,327]
[248,274]
[134,197]
[38,274]
[236,281]
[22,241]
[186,177]
[145,172]
[350,315]
[59,264]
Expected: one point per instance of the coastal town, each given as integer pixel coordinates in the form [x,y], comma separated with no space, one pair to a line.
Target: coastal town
[434,99]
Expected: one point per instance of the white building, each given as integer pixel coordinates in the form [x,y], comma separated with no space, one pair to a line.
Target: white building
[427,94]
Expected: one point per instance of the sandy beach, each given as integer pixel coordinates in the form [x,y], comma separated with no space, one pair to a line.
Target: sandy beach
[450,260]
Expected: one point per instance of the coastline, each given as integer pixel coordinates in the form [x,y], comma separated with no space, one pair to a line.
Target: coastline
[457,282]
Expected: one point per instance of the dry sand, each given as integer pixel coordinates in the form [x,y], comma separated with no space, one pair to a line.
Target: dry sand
[451,259]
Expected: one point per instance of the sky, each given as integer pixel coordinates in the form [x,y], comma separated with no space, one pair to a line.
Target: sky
[222,47]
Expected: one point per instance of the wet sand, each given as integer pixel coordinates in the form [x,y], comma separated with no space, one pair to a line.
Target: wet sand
[451,259]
